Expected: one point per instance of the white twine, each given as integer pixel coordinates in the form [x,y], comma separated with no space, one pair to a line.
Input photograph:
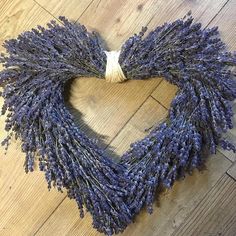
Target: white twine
[114,73]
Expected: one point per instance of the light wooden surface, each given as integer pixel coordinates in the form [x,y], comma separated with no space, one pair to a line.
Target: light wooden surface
[118,114]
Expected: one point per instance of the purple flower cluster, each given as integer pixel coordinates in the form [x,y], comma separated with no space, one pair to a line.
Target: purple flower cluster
[37,67]
[39,63]
[195,60]
[166,153]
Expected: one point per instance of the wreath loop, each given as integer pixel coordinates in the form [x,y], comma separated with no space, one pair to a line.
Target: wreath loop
[39,63]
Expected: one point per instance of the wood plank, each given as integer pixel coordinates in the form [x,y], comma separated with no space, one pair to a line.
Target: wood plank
[215,215]
[115,21]
[174,205]
[232,171]
[16,17]
[165,93]
[107,107]
[150,113]
[118,20]
[202,11]
[72,9]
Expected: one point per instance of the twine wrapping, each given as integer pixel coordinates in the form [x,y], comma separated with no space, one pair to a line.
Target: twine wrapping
[114,73]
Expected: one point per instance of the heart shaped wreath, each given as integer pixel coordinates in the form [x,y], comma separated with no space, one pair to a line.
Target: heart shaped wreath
[41,61]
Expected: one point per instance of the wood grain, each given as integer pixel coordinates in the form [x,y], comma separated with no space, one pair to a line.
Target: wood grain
[165,93]
[106,107]
[116,20]
[72,9]
[232,171]
[215,214]
[114,113]
[202,10]
[149,114]
[123,18]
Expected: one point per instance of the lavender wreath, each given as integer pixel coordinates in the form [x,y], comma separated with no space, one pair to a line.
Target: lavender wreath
[39,63]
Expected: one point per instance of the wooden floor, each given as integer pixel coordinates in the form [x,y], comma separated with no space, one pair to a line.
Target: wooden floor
[204,204]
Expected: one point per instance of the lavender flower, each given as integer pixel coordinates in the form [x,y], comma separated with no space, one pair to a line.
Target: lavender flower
[39,63]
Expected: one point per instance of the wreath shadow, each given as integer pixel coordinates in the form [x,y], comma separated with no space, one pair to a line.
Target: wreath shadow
[79,121]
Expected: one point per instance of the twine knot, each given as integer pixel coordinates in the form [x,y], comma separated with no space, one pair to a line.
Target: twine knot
[114,73]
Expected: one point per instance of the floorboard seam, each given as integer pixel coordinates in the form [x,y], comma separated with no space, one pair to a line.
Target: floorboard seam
[84,11]
[132,116]
[160,103]
[46,10]
[224,155]
[203,197]
[217,13]
[35,233]
[230,176]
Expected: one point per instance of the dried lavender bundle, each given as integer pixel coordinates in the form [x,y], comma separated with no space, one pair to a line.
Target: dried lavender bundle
[196,61]
[41,61]
[37,67]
